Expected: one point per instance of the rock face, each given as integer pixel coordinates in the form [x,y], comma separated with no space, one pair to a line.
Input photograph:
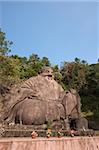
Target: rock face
[34,111]
[43,87]
[41,99]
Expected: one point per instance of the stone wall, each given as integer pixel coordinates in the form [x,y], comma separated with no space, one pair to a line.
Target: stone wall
[64,143]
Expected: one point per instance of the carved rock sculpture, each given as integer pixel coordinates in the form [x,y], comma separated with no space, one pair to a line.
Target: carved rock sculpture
[41,99]
[34,111]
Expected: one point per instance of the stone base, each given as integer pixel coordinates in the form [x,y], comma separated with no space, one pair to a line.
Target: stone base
[64,143]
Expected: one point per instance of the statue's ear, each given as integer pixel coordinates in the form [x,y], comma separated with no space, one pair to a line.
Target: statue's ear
[39,72]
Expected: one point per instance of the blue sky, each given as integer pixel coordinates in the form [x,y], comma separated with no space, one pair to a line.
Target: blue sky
[60,31]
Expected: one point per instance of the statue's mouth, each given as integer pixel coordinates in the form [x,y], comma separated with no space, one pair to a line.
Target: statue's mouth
[49,75]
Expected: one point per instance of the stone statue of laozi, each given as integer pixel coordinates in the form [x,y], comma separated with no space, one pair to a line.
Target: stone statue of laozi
[41,99]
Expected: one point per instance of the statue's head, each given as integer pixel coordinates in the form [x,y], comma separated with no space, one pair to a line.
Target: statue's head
[47,72]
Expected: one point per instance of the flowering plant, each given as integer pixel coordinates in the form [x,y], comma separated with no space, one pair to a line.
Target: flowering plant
[34,134]
[59,134]
[48,133]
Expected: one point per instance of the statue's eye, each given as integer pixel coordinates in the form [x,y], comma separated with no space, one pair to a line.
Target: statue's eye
[18,91]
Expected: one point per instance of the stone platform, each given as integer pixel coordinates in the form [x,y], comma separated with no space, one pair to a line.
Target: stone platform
[63,143]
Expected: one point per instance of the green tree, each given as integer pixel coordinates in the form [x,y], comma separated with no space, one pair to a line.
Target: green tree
[90,93]
[4,44]
[74,74]
[34,65]
[45,61]
[9,72]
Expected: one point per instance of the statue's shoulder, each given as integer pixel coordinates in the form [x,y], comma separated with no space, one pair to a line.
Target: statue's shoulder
[31,81]
[32,78]
[58,85]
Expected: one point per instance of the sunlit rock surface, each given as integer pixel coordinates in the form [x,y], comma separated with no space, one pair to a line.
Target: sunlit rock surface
[75,143]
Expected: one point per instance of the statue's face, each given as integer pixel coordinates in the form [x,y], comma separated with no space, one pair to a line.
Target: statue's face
[47,72]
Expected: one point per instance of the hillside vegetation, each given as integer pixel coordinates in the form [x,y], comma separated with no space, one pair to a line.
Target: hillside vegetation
[77,74]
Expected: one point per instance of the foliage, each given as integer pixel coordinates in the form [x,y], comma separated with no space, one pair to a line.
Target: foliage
[74,74]
[4,44]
